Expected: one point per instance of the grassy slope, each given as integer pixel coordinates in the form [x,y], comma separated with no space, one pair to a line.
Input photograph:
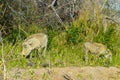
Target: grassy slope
[65,47]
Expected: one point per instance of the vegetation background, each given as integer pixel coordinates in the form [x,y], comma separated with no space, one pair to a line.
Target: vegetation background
[68,24]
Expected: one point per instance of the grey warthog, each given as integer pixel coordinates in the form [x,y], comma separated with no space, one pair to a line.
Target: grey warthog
[97,49]
[36,41]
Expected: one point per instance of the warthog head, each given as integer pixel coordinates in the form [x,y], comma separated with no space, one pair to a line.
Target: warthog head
[27,48]
[30,44]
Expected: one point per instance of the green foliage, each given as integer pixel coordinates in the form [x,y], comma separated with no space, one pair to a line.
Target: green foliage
[106,37]
[74,35]
[14,36]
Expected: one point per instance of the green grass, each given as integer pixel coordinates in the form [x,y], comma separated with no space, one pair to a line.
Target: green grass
[64,49]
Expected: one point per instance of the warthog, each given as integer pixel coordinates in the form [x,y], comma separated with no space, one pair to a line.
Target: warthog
[97,49]
[36,41]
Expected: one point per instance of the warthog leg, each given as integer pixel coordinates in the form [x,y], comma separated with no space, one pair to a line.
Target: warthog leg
[44,51]
[86,57]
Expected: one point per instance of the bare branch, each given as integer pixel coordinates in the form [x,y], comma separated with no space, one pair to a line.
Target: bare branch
[54,2]
[103,5]
[52,7]
[109,18]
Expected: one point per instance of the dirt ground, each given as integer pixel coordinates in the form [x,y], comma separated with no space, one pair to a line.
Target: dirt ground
[67,73]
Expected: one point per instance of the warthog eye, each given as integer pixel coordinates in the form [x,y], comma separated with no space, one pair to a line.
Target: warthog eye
[30,44]
[25,46]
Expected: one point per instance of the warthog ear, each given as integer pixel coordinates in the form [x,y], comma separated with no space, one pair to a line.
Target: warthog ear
[30,43]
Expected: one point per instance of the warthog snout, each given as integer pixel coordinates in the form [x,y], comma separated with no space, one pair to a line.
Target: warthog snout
[36,41]
[26,49]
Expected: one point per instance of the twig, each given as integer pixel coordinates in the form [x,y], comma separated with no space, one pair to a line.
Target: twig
[17,13]
[67,77]
[103,5]
[109,18]
[23,30]
[50,74]
[57,15]
[53,3]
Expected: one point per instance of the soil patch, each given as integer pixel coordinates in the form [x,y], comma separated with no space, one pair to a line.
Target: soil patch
[67,73]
